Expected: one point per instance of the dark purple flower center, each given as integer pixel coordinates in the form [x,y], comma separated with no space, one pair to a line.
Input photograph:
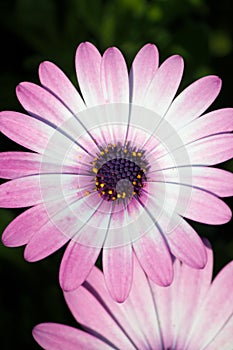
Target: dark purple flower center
[120,172]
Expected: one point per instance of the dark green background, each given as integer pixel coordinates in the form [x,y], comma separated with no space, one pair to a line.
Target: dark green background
[33,31]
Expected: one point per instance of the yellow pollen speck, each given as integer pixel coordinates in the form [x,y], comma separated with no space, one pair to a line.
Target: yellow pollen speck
[86,193]
[114,145]
[125,151]
[97,183]
[79,156]
[133,193]
[118,195]
[102,185]
[134,183]
[102,153]
[123,195]
[139,154]
[103,192]
[134,154]
[110,191]
[106,150]
[113,198]
[95,170]
[138,176]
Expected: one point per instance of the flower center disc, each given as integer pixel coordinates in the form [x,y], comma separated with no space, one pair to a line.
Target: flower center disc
[120,172]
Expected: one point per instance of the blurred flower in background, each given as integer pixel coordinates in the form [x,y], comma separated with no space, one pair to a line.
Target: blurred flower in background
[192,313]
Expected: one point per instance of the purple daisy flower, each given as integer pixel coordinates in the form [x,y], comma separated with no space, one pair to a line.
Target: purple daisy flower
[118,169]
[191,313]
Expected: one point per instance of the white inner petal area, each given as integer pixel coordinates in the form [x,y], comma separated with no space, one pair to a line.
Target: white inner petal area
[122,221]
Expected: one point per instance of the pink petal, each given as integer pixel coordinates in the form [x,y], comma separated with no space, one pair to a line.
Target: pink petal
[211,150]
[154,257]
[215,311]
[118,271]
[189,202]
[114,77]
[163,298]
[192,287]
[186,245]
[92,306]
[25,130]
[224,339]
[22,192]
[53,79]
[64,222]
[82,252]
[34,189]
[141,292]
[175,303]
[19,164]
[142,72]
[41,103]
[193,101]
[88,60]
[217,181]
[21,229]
[164,85]
[44,242]
[55,336]
[77,262]
[215,122]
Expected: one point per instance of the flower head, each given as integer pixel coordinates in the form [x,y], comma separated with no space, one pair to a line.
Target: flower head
[192,313]
[117,169]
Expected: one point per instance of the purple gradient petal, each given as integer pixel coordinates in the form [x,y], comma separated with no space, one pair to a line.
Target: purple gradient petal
[21,229]
[54,336]
[211,150]
[217,181]
[142,72]
[20,164]
[114,77]
[54,80]
[164,85]
[77,262]
[118,271]
[193,101]
[88,61]
[41,103]
[25,130]
[214,122]
[44,243]
[36,189]
[154,256]
[186,245]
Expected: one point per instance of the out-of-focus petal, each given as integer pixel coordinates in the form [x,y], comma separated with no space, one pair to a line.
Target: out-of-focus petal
[215,310]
